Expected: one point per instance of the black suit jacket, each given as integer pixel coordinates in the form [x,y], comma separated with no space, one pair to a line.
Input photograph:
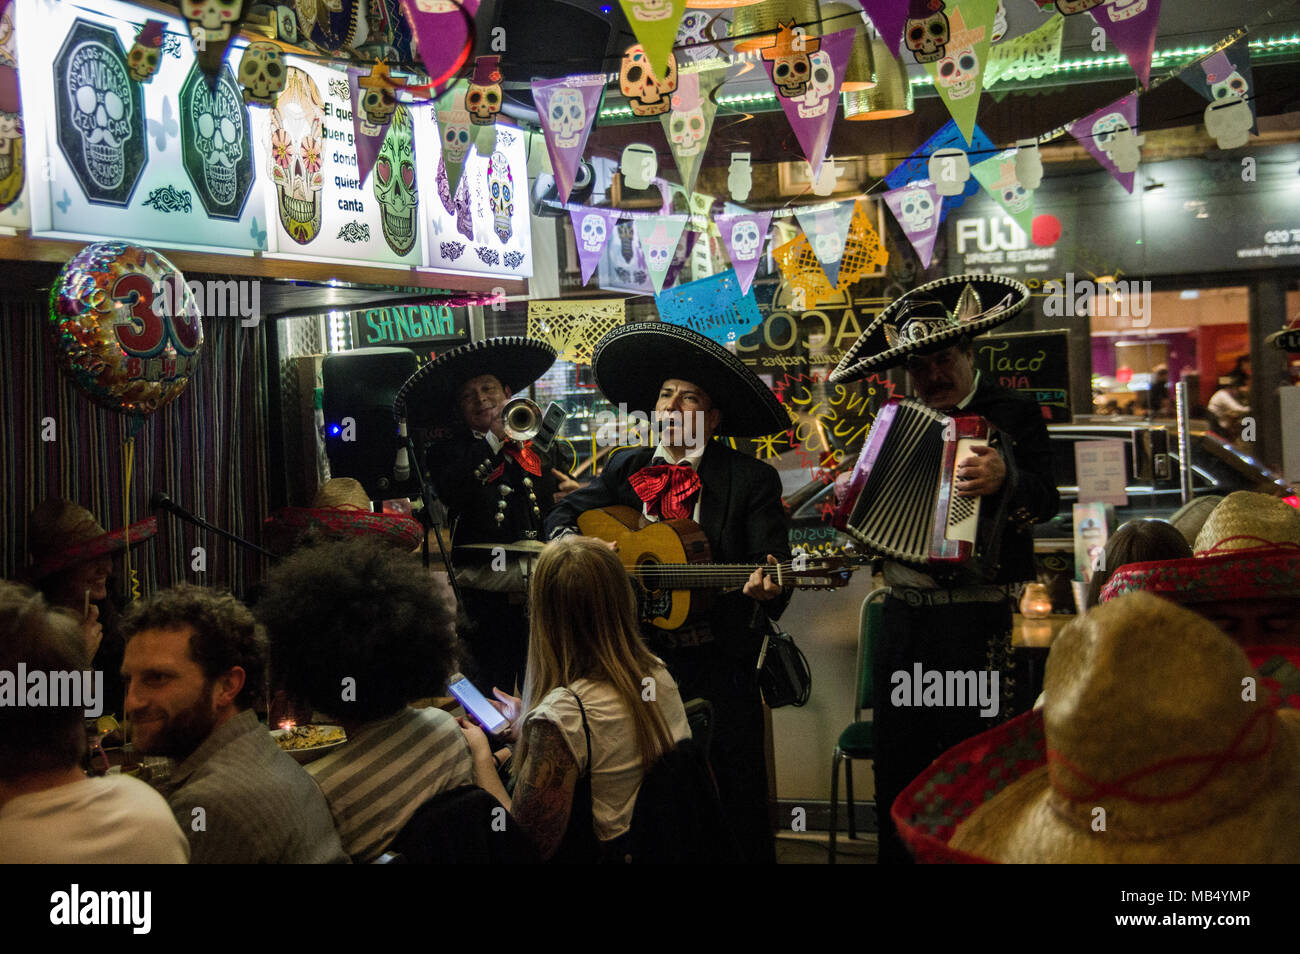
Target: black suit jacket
[1030,484]
[741,514]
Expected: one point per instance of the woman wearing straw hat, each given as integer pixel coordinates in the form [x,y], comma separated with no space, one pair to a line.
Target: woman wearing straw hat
[71,559]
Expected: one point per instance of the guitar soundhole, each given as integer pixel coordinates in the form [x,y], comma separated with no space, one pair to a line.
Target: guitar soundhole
[653,603]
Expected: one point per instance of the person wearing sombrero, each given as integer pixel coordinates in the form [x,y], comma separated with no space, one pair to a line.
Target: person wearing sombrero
[1151,747]
[952,621]
[495,489]
[71,559]
[695,389]
[340,511]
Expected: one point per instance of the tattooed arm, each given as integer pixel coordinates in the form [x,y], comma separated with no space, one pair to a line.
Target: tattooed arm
[543,795]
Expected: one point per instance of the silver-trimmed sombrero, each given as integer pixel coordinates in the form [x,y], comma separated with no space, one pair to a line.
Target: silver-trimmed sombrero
[429,395]
[928,318]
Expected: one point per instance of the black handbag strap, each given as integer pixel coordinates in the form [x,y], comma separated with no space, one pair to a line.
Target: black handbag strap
[586,729]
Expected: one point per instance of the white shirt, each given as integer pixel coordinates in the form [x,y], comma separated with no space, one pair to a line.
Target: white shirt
[116,819]
[616,772]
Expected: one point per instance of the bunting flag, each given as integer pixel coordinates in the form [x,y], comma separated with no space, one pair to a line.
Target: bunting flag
[1131,26]
[145,58]
[827,228]
[567,108]
[743,237]
[958,73]
[1031,56]
[998,177]
[1109,134]
[715,306]
[444,34]
[592,229]
[455,136]
[806,72]
[373,105]
[690,123]
[916,209]
[654,24]
[1224,78]
[698,36]
[888,17]
[212,27]
[916,166]
[659,235]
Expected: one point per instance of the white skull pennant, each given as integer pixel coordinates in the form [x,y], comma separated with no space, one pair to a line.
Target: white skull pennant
[592,229]
[659,235]
[743,236]
[916,208]
[827,228]
[1110,135]
[806,73]
[690,123]
[568,108]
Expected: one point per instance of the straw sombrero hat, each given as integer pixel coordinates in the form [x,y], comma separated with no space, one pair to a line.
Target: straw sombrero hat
[632,362]
[930,317]
[62,534]
[340,511]
[1248,521]
[429,395]
[1145,751]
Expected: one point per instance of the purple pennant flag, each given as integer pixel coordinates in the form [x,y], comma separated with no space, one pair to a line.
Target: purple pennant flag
[807,72]
[567,108]
[888,17]
[827,229]
[444,34]
[1110,135]
[742,236]
[369,135]
[916,207]
[592,229]
[1131,26]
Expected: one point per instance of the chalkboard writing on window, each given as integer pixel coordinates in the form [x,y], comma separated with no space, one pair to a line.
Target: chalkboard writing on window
[1036,363]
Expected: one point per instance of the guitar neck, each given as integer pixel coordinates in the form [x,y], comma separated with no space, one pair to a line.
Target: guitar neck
[701,576]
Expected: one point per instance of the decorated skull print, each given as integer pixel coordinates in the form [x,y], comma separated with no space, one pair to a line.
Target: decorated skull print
[1121,10]
[821,81]
[594,232]
[568,115]
[745,240]
[1071,7]
[394,183]
[483,102]
[918,210]
[647,95]
[214,16]
[686,131]
[648,11]
[262,73]
[828,247]
[217,120]
[455,126]
[958,72]
[501,192]
[927,37]
[143,62]
[101,110]
[297,124]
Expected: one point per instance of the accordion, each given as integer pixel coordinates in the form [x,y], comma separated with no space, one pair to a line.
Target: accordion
[902,501]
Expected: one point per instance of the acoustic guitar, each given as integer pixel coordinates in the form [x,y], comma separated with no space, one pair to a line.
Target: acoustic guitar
[669,563]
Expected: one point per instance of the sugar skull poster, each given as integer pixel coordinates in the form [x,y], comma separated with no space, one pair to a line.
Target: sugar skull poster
[394,184]
[216,143]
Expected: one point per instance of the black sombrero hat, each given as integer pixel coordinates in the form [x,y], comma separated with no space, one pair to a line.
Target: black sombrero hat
[429,395]
[632,362]
[1288,339]
[931,317]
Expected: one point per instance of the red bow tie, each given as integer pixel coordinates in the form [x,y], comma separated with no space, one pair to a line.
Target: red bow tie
[525,456]
[665,489]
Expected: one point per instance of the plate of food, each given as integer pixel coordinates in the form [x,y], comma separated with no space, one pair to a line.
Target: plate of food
[306,743]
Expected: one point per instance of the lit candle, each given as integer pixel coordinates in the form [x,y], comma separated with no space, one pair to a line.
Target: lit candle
[1036,603]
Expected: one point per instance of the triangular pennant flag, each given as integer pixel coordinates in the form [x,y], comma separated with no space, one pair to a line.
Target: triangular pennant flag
[373,105]
[1030,56]
[998,176]
[1225,79]
[690,123]
[455,138]
[806,72]
[211,30]
[917,165]
[654,24]
[1109,134]
[1132,28]
[567,108]
[916,208]
[659,235]
[444,34]
[145,57]
[592,230]
[959,73]
[888,17]
[827,228]
[743,237]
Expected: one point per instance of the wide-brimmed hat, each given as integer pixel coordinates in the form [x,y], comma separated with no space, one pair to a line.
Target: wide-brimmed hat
[429,395]
[341,511]
[930,317]
[62,534]
[632,362]
[1145,751]
[1288,339]
[1247,521]
[1191,516]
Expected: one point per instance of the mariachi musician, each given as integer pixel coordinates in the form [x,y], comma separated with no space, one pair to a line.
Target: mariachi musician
[952,621]
[497,489]
[696,390]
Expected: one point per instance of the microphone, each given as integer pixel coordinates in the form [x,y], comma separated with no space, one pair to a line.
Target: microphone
[402,465]
[161,501]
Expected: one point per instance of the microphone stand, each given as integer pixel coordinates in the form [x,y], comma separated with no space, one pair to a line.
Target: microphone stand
[427,499]
[161,501]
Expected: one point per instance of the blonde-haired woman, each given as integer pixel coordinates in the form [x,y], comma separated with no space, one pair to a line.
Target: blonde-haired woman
[598,707]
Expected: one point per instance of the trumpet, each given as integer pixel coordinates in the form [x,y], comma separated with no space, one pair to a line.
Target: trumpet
[522,419]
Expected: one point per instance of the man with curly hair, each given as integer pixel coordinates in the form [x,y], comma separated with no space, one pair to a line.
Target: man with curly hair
[357,631]
[194,665]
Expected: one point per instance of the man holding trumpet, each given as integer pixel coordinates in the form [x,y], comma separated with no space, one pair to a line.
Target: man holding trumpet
[498,488]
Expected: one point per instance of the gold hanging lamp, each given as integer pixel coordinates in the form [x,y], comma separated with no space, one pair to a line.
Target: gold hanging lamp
[861,72]
[892,95]
[763,19]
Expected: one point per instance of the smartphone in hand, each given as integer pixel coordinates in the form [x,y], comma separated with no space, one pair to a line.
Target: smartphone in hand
[477,705]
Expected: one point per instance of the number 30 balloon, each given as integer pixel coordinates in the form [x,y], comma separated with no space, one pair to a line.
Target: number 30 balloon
[126,326]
